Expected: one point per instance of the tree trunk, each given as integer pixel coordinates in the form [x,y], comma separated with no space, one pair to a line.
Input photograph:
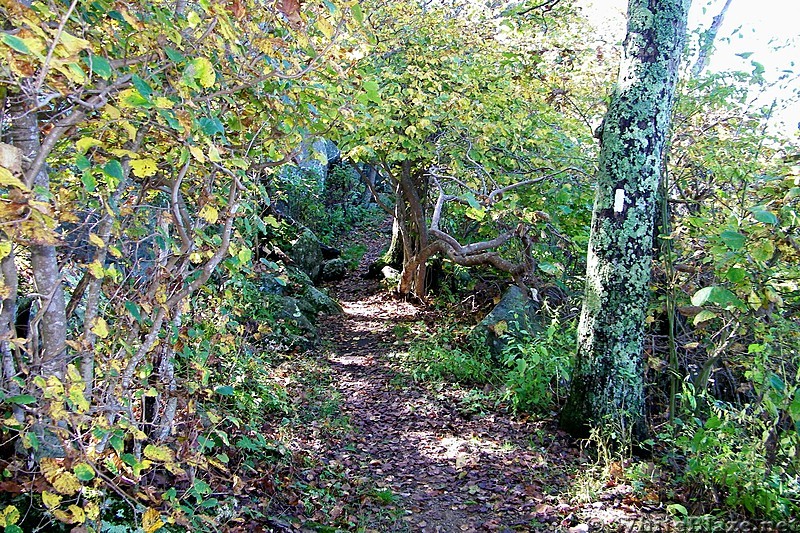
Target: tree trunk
[371,176]
[608,381]
[52,319]
[415,232]
[707,39]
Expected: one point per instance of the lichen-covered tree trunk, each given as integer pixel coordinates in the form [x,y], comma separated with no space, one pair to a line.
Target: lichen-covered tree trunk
[608,380]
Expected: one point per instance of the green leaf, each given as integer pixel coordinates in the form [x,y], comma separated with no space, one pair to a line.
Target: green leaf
[472,201]
[89,182]
[117,443]
[211,126]
[357,13]
[99,65]
[703,316]
[736,274]
[225,390]
[716,295]
[763,251]
[372,88]
[133,309]
[83,472]
[82,162]
[16,43]
[766,217]
[174,55]
[21,399]
[549,268]
[270,220]
[113,169]
[141,86]
[132,98]
[677,509]
[776,382]
[733,239]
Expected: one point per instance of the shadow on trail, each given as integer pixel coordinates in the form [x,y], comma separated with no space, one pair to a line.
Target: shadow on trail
[448,472]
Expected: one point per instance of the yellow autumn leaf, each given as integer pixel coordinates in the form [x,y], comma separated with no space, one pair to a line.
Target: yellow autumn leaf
[129,128]
[5,249]
[57,412]
[7,179]
[174,469]
[100,327]
[63,481]
[112,112]
[73,44]
[197,153]
[84,143]
[151,521]
[143,168]
[96,269]
[213,153]
[202,70]
[9,516]
[52,388]
[92,510]
[73,374]
[209,213]
[114,251]
[158,453]
[73,515]
[119,152]
[325,27]
[163,103]
[78,399]
[51,499]
[95,240]
[78,516]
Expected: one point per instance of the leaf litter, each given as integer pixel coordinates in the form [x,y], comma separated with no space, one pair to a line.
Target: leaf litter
[389,453]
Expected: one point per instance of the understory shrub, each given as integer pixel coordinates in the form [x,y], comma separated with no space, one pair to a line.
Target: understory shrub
[532,375]
[538,370]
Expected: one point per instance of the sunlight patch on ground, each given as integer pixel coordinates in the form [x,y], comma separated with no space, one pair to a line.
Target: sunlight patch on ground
[463,452]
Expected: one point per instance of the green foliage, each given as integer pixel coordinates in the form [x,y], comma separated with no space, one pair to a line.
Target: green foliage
[747,451]
[352,255]
[443,360]
[539,366]
[329,210]
[532,372]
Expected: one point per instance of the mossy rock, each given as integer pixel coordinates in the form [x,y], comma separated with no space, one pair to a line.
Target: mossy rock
[515,318]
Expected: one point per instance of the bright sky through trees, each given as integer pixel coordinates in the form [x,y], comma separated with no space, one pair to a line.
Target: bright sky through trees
[764,32]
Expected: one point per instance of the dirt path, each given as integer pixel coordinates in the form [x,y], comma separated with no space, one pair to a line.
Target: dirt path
[435,468]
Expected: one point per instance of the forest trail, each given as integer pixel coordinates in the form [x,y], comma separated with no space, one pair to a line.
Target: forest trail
[448,472]
[434,466]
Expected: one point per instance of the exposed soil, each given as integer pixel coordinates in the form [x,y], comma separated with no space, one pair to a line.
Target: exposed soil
[431,465]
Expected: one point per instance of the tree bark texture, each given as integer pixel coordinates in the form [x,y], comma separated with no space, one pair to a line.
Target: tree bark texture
[608,381]
[52,318]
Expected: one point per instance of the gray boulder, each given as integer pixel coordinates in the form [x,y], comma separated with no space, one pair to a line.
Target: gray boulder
[321,302]
[291,311]
[334,270]
[306,253]
[516,317]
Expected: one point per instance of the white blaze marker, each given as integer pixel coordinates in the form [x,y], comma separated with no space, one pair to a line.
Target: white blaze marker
[619,200]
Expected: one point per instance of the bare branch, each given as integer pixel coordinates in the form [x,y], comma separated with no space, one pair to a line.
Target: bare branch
[371,187]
